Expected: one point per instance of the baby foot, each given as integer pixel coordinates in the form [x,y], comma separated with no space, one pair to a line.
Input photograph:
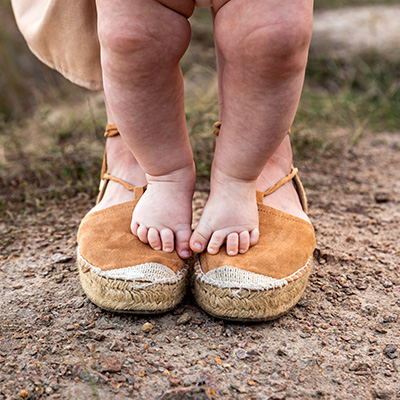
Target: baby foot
[230,216]
[162,218]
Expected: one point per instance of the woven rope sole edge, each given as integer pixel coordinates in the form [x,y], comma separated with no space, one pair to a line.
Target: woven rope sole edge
[121,296]
[248,305]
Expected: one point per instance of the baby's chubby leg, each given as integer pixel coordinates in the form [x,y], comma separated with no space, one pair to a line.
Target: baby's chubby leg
[264,45]
[142,42]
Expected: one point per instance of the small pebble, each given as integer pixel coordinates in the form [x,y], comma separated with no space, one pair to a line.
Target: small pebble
[241,354]
[59,258]
[17,286]
[387,284]
[49,390]
[389,318]
[116,345]
[382,197]
[361,286]
[359,366]
[281,353]
[380,329]
[390,350]
[184,319]
[147,327]
[18,335]
[218,360]
[91,347]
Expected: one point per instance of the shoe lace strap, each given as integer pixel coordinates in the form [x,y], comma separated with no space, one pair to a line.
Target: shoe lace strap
[282,182]
[126,185]
[111,130]
[217,126]
[297,184]
[274,188]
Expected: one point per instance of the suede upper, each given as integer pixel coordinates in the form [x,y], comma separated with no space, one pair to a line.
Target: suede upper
[105,241]
[286,244]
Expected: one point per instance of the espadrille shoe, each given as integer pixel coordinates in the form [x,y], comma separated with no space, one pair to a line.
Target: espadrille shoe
[269,279]
[118,272]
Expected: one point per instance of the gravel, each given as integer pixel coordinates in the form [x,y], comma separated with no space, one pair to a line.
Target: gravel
[340,342]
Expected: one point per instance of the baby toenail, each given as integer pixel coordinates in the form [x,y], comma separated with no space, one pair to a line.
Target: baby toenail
[168,250]
[185,253]
[211,250]
[157,248]
[198,245]
[231,253]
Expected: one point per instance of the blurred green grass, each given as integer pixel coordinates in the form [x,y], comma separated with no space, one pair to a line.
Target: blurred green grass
[353,95]
[25,83]
[51,140]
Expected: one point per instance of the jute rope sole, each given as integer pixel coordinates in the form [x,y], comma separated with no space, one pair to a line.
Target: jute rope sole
[123,296]
[248,305]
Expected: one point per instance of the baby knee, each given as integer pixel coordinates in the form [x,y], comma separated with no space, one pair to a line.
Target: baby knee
[280,40]
[153,42]
[282,45]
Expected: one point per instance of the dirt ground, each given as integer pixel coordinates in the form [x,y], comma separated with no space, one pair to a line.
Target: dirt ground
[342,341]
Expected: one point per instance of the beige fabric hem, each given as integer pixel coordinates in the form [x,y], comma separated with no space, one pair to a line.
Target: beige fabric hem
[63,35]
[91,85]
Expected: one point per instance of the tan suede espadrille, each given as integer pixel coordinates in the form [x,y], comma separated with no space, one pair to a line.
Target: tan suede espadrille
[117,271]
[269,279]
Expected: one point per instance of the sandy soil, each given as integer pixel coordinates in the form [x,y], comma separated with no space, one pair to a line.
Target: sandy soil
[342,341]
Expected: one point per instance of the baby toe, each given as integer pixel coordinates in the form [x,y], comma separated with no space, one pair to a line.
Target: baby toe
[167,239]
[254,236]
[142,233]
[182,243]
[244,241]
[232,244]
[134,227]
[200,238]
[154,239]
[216,241]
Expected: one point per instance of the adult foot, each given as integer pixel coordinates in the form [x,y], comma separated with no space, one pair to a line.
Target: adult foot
[121,164]
[231,217]
[162,218]
[285,198]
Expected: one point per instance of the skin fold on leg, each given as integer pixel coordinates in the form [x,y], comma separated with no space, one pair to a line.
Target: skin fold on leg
[262,48]
[141,45]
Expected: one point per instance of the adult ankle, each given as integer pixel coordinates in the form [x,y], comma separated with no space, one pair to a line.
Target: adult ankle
[282,159]
[123,164]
